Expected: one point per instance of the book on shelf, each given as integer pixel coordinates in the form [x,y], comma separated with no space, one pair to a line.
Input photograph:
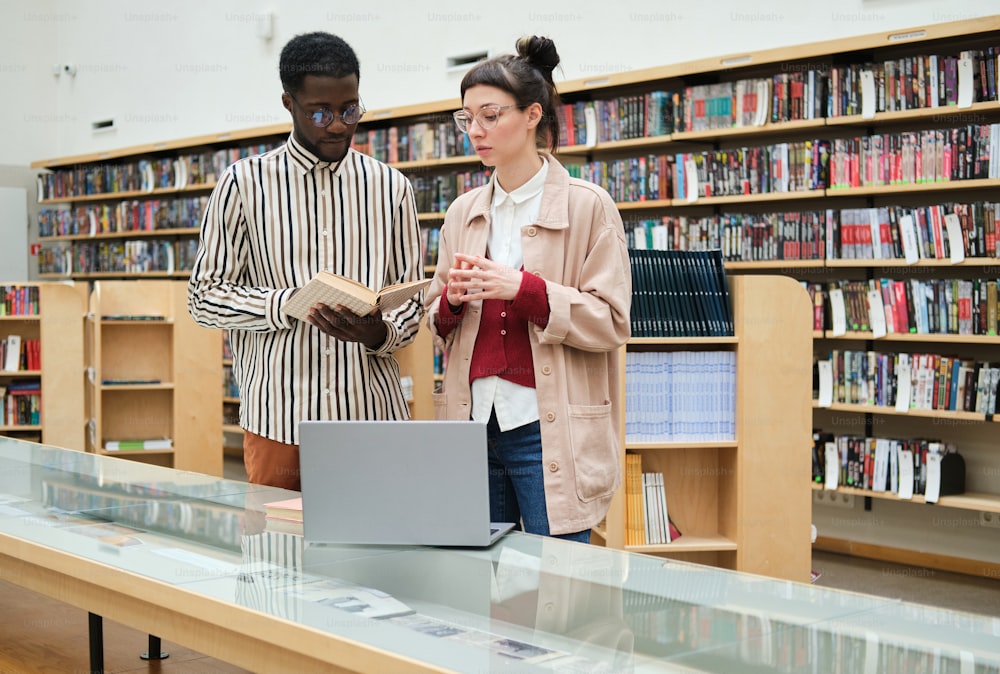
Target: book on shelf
[129,445]
[12,353]
[333,289]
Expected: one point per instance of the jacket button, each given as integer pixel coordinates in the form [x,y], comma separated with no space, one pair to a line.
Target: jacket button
[546,369]
[550,416]
[553,466]
[532,231]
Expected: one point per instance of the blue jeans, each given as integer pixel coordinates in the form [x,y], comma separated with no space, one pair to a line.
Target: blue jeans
[517,490]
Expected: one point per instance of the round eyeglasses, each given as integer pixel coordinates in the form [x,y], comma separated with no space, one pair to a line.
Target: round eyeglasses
[487,118]
[323,117]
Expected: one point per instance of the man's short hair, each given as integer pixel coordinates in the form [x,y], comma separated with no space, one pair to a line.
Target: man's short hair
[317,53]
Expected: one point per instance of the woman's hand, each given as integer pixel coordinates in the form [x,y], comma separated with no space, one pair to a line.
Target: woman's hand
[474,277]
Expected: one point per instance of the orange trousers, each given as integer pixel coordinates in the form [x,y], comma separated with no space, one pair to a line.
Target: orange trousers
[270,462]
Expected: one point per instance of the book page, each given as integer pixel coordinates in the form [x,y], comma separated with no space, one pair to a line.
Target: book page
[396,295]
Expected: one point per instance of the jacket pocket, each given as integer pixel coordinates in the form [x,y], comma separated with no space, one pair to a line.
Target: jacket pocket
[595,450]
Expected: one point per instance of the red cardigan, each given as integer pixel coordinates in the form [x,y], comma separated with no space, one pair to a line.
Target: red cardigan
[502,346]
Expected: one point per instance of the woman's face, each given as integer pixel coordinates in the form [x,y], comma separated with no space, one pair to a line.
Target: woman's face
[500,131]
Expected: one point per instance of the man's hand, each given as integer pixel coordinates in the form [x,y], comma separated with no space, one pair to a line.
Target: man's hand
[343,324]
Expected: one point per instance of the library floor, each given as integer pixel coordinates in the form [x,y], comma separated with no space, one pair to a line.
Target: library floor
[42,635]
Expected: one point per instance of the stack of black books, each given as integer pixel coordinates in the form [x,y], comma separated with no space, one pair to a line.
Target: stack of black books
[680,293]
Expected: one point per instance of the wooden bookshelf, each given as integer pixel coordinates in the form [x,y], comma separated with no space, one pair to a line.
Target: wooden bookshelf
[949,37]
[58,326]
[722,495]
[153,373]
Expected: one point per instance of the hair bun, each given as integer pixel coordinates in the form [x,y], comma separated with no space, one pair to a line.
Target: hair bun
[539,52]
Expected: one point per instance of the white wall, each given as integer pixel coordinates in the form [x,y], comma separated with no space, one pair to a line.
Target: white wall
[168,70]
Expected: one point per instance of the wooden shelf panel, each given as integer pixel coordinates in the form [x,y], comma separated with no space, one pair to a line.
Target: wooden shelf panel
[977,501]
[670,446]
[130,194]
[25,427]
[131,234]
[930,414]
[688,543]
[913,337]
[10,374]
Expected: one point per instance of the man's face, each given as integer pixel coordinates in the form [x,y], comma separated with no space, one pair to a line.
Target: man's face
[318,93]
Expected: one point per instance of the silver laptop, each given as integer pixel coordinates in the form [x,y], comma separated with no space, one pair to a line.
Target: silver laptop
[396,483]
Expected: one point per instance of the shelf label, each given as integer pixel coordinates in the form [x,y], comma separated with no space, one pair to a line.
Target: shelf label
[876,313]
[881,477]
[905,474]
[831,468]
[838,313]
[909,235]
[868,98]
[825,368]
[965,82]
[956,241]
[590,118]
[933,488]
[691,179]
[903,379]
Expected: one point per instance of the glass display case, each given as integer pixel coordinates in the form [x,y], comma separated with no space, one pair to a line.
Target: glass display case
[193,559]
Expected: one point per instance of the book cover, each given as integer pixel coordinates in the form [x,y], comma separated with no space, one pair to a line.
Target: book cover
[289,509]
[333,289]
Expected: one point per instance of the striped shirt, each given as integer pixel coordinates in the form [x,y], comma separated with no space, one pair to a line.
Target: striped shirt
[272,222]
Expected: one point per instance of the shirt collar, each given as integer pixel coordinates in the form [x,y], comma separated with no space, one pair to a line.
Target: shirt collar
[526,191]
[306,160]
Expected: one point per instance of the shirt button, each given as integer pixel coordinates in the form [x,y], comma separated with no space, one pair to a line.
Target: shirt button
[503,314]
[553,467]
[503,332]
[546,369]
[323,193]
[327,352]
[326,232]
[550,416]
[326,391]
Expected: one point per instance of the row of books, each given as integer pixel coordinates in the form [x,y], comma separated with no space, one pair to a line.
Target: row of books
[898,466]
[17,353]
[905,381]
[915,157]
[126,216]
[434,194]
[798,92]
[642,178]
[144,175]
[128,256]
[18,300]
[679,294]
[948,231]
[647,521]
[912,306]
[436,138]
[230,389]
[913,82]
[768,169]
[430,237]
[676,396]
[21,403]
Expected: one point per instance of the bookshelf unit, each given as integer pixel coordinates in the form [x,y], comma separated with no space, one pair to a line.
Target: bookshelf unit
[153,374]
[56,323]
[740,503]
[389,131]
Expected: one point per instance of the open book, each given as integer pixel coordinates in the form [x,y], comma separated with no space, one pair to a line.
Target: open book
[332,289]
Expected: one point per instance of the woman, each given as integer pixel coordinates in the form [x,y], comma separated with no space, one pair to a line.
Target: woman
[531,301]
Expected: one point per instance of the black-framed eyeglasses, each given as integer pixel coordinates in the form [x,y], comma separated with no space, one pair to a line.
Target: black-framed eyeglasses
[323,117]
[487,118]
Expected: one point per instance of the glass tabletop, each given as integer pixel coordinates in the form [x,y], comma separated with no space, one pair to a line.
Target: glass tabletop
[527,603]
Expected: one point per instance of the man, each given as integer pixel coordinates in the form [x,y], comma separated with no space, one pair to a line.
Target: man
[276,219]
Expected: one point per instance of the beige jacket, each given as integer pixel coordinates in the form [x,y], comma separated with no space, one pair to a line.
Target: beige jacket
[578,248]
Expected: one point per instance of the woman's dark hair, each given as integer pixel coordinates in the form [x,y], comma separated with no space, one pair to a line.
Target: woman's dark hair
[527,76]
[316,53]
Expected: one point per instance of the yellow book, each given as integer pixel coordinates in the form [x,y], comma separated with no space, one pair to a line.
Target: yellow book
[333,289]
